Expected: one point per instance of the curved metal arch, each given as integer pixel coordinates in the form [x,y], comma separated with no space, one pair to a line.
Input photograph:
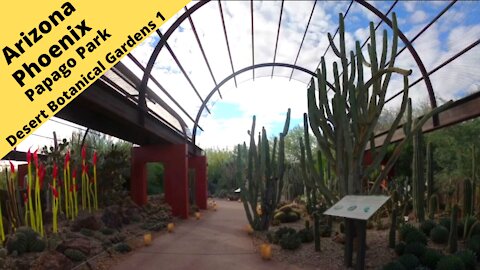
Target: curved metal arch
[363,3]
[200,110]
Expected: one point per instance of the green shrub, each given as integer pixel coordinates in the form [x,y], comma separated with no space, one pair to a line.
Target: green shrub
[75,255]
[86,232]
[415,248]
[290,241]
[404,230]
[416,236]
[306,235]
[107,231]
[410,261]
[450,262]
[400,248]
[395,265]
[439,234]
[474,245]
[427,226]
[445,222]
[468,258]
[122,247]
[283,231]
[430,258]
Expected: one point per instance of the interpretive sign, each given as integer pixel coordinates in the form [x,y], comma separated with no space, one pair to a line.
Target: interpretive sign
[357,206]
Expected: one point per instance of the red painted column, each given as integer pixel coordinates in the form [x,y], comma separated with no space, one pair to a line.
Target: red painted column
[138,179]
[176,179]
[199,163]
[174,159]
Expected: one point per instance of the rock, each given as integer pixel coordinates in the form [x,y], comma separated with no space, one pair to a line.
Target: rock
[81,244]
[86,221]
[112,217]
[52,260]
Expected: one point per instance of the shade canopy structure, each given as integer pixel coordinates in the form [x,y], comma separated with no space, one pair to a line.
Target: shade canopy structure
[161,91]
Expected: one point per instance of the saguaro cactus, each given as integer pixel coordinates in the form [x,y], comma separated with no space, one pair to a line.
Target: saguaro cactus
[264,180]
[345,124]
[418,176]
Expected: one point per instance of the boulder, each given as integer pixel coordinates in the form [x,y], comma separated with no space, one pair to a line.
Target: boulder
[81,244]
[86,221]
[112,217]
[52,260]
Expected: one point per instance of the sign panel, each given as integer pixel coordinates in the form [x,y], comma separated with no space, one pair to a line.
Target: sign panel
[357,206]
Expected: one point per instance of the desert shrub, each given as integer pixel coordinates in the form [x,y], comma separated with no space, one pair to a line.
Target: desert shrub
[445,222]
[410,261]
[450,262]
[404,230]
[306,235]
[415,248]
[439,234]
[468,258]
[431,257]
[400,248]
[474,245]
[290,241]
[427,226]
[416,236]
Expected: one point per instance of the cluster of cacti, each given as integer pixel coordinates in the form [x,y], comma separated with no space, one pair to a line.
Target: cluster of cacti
[314,182]
[56,199]
[344,126]
[264,180]
[25,240]
[34,203]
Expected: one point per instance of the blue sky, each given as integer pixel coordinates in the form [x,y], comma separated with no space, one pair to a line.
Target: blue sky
[269,98]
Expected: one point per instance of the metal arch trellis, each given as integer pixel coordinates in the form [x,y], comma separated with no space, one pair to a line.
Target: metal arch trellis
[252,67]
[162,43]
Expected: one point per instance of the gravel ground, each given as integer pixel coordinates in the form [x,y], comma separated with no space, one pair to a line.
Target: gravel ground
[331,256]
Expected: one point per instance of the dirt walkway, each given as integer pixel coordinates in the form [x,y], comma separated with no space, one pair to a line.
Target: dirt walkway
[217,241]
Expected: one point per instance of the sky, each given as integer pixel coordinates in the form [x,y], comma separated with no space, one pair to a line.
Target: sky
[269,97]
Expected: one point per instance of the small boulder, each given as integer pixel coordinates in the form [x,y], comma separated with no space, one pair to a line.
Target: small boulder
[112,217]
[86,221]
[52,260]
[81,244]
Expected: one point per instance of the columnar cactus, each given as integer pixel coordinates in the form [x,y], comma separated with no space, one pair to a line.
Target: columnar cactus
[453,237]
[432,206]
[430,184]
[264,179]
[467,198]
[344,126]
[418,177]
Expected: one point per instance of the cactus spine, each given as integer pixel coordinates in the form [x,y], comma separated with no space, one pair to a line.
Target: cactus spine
[418,177]
[264,180]
[345,126]
[467,198]
[452,239]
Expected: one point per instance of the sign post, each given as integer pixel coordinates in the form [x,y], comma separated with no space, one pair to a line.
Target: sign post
[356,210]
